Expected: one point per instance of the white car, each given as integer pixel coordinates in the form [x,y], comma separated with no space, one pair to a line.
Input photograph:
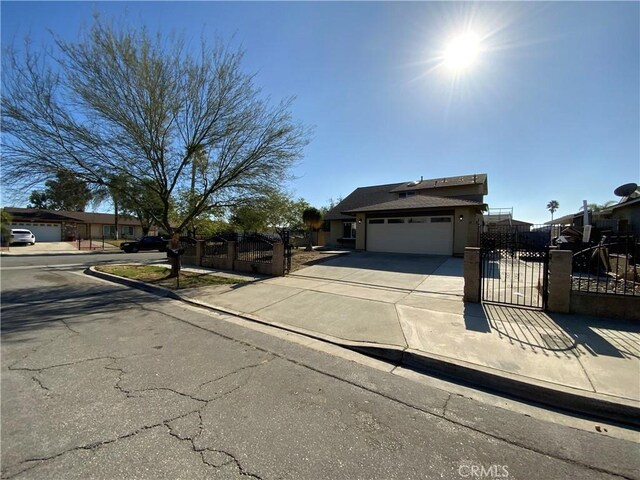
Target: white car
[22,236]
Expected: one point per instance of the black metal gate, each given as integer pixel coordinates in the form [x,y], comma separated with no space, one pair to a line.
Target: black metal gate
[515,265]
[287,251]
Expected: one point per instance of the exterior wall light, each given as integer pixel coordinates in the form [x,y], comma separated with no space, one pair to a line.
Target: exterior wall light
[461,217]
[359,220]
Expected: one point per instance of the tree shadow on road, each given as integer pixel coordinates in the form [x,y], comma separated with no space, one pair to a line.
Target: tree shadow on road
[35,308]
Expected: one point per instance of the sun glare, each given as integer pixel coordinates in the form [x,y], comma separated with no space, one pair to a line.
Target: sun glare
[462,52]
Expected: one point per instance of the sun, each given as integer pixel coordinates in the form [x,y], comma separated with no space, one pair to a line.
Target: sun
[462,52]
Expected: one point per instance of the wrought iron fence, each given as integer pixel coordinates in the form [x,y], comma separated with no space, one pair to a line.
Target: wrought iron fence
[288,253]
[610,266]
[514,264]
[216,246]
[255,248]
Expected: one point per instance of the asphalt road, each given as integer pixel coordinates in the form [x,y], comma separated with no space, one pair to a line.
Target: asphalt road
[100,381]
[79,259]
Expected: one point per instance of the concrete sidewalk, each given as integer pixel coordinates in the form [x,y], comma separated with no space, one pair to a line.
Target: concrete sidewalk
[419,318]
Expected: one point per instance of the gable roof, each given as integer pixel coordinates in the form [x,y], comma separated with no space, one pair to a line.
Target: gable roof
[361,197]
[377,195]
[417,202]
[475,179]
[76,217]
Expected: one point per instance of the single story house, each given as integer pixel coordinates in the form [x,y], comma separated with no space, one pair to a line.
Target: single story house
[504,220]
[438,216]
[626,214]
[59,225]
[623,217]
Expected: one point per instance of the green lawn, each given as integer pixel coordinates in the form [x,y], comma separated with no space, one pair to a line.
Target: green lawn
[158,276]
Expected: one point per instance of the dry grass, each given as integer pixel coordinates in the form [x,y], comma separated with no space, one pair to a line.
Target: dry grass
[301,259]
[158,276]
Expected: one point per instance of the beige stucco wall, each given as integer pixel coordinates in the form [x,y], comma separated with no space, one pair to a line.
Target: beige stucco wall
[465,232]
[360,231]
[477,189]
[331,237]
[631,214]
[96,230]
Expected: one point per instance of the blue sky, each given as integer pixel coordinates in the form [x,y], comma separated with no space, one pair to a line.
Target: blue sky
[551,109]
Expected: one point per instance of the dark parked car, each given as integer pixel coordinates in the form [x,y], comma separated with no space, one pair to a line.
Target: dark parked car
[145,243]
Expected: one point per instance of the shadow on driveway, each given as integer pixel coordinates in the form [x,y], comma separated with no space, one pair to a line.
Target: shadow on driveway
[564,335]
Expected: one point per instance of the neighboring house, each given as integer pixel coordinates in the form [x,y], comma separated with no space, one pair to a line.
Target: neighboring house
[438,216]
[623,217]
[503,219]
[58,225]
[626,214]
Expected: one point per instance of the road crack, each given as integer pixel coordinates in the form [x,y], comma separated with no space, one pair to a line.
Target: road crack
[35,461]
[248,367]
[67,364]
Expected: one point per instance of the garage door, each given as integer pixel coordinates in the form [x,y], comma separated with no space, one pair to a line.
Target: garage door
[44,232]
[424,235]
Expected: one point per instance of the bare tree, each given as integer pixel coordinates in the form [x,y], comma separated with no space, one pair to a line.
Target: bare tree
[121,102]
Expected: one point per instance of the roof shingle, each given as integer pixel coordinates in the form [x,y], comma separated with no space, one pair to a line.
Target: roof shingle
[417,202]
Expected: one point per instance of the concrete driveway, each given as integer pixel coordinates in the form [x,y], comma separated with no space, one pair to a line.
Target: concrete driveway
[356,297]
[404,273]
[415,304]
[41,248]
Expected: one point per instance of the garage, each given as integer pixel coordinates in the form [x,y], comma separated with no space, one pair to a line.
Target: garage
[44,232]
[420,235]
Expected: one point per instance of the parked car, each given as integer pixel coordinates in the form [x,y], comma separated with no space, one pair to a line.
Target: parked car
[22,236]
[145,244]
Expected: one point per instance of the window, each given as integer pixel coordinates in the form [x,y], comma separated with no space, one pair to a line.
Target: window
[127,231]
[407,194]
[349,230]
[109,231]
[440,219]
[395,220]
[418,220]
[374,221]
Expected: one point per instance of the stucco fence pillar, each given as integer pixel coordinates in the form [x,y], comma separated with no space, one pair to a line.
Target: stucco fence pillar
[472,274]
[277,261]
[560,266]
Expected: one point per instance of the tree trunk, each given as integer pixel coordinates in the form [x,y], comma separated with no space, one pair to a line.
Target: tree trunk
[115,210]
[174,260]
[310,244]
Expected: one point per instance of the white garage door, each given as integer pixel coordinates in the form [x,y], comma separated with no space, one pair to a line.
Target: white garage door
[44,232]
[425,235]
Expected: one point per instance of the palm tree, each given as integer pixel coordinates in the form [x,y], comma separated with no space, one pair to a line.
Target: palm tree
[552,206]
[312,218]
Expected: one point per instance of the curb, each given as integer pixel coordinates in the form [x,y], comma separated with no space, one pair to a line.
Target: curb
[560,397]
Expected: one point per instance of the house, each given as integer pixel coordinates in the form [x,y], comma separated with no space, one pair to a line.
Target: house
[626,214]
[438,216]
[623,217]
[59,225]
[503,219]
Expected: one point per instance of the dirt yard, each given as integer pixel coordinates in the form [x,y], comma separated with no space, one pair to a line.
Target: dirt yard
[301,259]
